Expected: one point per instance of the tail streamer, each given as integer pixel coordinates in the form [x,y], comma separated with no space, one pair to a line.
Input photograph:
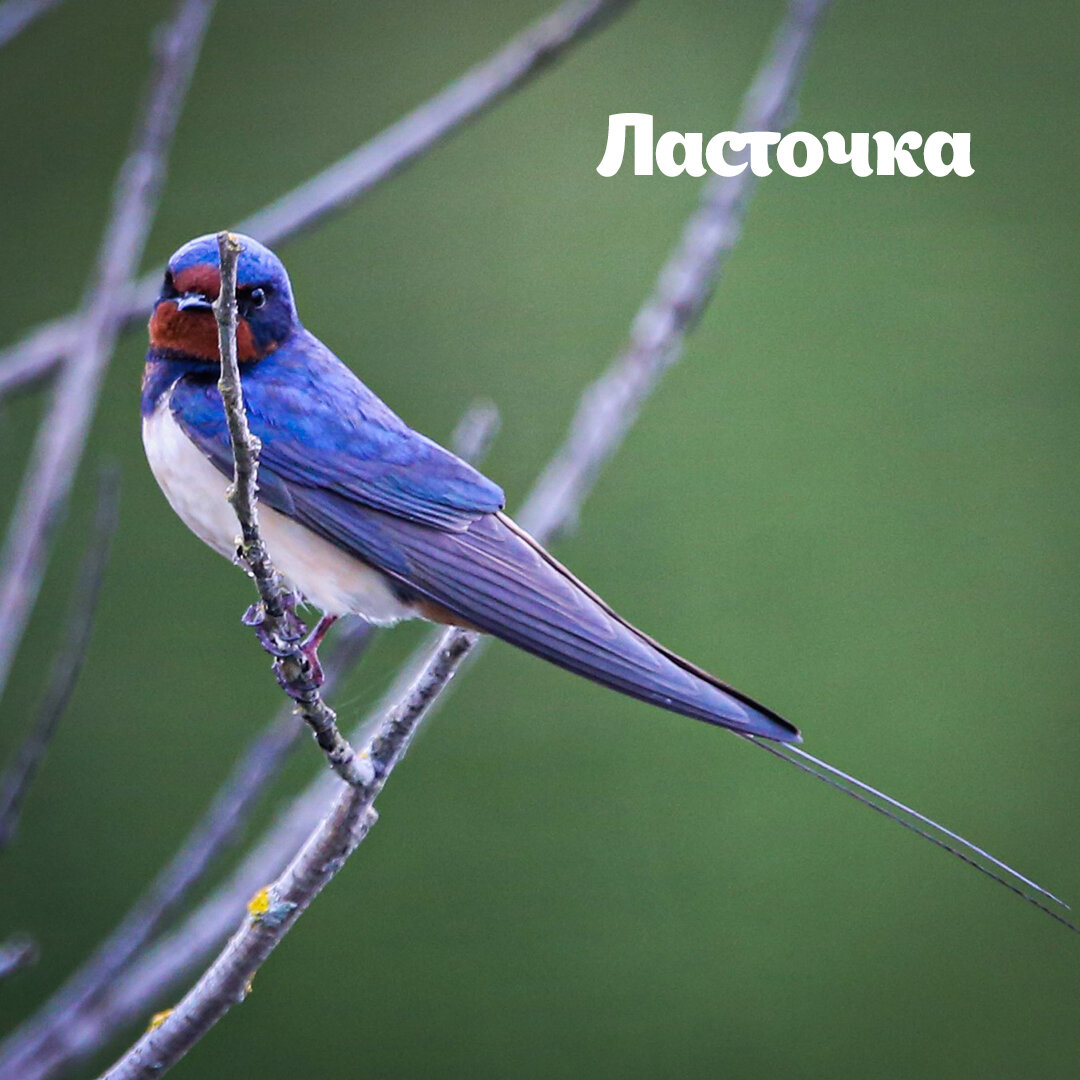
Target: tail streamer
[919,824]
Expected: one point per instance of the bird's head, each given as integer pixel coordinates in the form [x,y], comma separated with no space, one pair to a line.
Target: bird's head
[183,319]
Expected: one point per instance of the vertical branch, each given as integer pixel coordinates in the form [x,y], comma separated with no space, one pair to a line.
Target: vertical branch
[61,437]
[274,910]
[278,629]
[243,494]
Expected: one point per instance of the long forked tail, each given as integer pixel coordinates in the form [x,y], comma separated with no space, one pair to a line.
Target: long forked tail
[923,826]
[495,577]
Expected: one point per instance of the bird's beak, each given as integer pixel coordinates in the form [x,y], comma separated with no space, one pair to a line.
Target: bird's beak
[194,301]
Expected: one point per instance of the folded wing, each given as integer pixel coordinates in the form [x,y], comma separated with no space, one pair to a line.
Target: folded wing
[498,579]
[434,525]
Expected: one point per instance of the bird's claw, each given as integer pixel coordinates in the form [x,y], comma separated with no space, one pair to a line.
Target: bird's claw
[315,670]
[277,636]
[296,657]
[299,675]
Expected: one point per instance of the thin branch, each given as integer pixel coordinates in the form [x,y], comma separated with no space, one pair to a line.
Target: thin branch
[656,342]
[18,952]
[69,660]
[60,1031]
[272,911]
[54,1035]
[471,439]
[684,286]
[37,356]
[173,955]
[62,434]
[339,185]
[17,15]
[534,50]
[243,494]
[279,630]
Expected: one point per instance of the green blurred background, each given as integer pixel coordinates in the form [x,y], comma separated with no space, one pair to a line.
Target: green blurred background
[855,498]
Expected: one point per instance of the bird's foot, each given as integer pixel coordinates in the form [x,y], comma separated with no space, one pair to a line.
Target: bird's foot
[310,647]
[297,667]
[283,638]
[277,636]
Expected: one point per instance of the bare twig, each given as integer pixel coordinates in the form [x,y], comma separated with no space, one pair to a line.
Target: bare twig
[17,15]
[279,630]
[655,344]
[20,774]
[243,494]
[476,431]
[125,997]
[273,910]
[339,185]
[480,88]
[62,434]
[610,405]
[18,952]
[61,1031]
[36,358]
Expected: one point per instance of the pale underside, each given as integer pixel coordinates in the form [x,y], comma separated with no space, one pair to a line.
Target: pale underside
[323,574]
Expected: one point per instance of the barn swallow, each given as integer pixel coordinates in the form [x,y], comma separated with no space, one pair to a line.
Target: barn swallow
[363,515]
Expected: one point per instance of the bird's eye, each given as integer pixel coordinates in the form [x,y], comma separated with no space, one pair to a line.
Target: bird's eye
[168,289]
[258,298]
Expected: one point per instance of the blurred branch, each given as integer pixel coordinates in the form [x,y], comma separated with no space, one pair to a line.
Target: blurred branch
[125,998]
[610,406]
[60,1031]
[17,15]
[61,436]
[536,48]
[18,952]
[339,185]
[35,358]
[475,431]
[69,660]
[273,910]
[683,288]
[280,631]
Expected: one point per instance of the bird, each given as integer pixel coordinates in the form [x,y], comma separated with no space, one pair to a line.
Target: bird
[361,514]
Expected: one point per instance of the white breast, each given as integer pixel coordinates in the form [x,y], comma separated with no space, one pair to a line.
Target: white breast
[323,574]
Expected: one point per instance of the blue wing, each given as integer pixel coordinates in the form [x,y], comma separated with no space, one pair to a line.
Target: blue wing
[322,428]
[337,460]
